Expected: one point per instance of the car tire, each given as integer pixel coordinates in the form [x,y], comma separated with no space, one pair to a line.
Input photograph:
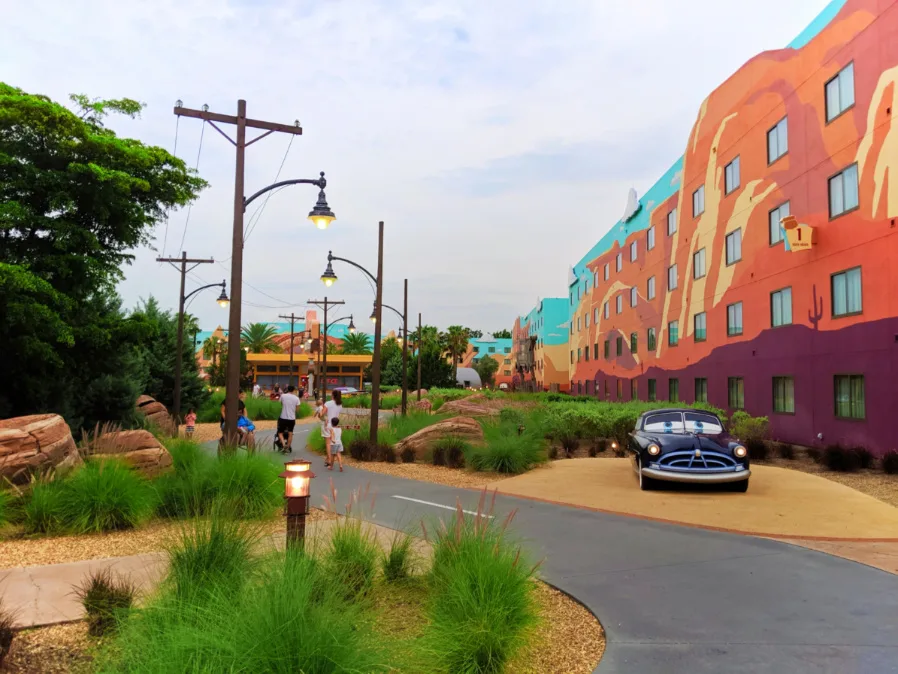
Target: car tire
[739,487]
[645,483]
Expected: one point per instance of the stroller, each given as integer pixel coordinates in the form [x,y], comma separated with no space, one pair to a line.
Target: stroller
[244,428]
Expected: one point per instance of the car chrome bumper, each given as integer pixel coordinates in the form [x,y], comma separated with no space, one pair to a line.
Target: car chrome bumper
[701,478]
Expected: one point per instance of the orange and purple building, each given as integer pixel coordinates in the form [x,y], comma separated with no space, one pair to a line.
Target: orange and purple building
[761,271]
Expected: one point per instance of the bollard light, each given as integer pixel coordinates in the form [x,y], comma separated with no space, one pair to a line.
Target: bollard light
[297,487]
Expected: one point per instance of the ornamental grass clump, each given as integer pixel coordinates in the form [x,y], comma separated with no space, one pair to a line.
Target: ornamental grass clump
[505,451]
[890,462]
[248,484]
[105,495]
[42,511]
[398,561]
[482,607]
[7,631]
[450,451]
[106,599]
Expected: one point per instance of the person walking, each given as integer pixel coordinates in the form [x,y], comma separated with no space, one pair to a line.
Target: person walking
[190,421]
[336,444]
[332,410]
[287,421]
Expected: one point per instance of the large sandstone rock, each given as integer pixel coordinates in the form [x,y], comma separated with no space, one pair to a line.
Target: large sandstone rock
[155,412]
[35,443]
[461,427]
[423,405]
[471,407]
[139,448]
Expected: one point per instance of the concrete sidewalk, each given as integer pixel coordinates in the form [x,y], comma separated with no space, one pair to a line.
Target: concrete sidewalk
[44,595]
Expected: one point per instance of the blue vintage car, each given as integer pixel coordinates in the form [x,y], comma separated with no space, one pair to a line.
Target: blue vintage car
[687,445]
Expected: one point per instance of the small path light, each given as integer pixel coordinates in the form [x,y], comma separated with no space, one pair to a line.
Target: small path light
[298,477]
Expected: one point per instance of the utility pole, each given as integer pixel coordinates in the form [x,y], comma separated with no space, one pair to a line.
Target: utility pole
[183,261]
[405,349]
[378,315]
[325,304]
[292,320]
[419,355]
[232,390]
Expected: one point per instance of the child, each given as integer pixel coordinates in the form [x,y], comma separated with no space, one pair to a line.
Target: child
[336,444]
[190,421]
[321,415]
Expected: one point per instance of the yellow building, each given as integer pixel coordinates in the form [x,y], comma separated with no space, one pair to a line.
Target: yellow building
[274,368]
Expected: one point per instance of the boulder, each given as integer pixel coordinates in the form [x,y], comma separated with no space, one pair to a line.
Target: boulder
[139,448]
[460,427]
[34,443]
[423,405]
[469,407]
[423,393]
[155,412]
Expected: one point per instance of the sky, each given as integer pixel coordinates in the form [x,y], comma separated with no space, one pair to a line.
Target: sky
[497,140]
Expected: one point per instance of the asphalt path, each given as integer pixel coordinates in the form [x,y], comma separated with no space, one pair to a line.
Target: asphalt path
[675,599]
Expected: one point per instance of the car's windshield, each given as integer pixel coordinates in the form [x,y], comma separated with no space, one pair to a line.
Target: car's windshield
[703,422]
[664,422]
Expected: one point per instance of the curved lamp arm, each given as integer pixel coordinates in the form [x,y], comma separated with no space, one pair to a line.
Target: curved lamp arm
[396,311]
[321,183]
[331,257]
[211,285]
[329,325]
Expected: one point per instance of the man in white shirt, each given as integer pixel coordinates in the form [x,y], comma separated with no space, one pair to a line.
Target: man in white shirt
[257,391]
[287,420]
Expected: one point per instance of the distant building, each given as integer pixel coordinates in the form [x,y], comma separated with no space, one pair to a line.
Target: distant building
[540,347]
[468,378]
[499,350]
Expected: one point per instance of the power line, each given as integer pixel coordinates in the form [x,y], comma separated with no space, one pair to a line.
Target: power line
[252,224]
[175,154]
[190,205]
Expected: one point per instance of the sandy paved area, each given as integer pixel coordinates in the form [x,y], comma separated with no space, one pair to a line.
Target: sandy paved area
[779,503]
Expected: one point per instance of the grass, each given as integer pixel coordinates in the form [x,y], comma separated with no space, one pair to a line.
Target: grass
[785,451]
[7,501]
[840,459]
[482,607]
[450,451]
[387,402]
[505,451]
[105,495]
[42,513]
[106,600]
[890,462]
[397,563]
[257,409]
[351,556]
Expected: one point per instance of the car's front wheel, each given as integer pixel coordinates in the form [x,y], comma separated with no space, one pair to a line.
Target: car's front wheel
[739,487]
[645,483]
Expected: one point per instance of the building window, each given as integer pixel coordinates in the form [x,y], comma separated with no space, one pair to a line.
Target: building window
[784,395]
[476,349]
[586,354]
[778,141]
[843,193]
[700,326]
[634,337]
[734,246]
[673,333]
[595,351]
[698,201]
[698,264]
[633,296]
[734,319]
[650,340]
[776,217]
[619,303]
[633,252]
[620,389]
[595,315]
[606,310]
[586,319]
[508,361]
[492,349]
[572,356]
[653,393]
[673,390]
[507,373]
[701,390]
[607,349]
[731,176]
[578,330]
[578,354]
[840,93]
[634,389]
[672,277]
[846,291]
[781,307]
[672,222]
[572,327]
[650,288]
[736,393]
[595,279]
[507,349]
[605,272]
[650,238]
[619,346]
[849,396]
[619,262]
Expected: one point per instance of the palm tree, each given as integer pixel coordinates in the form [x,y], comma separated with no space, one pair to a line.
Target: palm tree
[456,345]
[356,344]
[259,337]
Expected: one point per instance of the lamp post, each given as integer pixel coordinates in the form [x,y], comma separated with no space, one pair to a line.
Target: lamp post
[297,487]
[325,304]
[404,316]
[420,341]
[329,278]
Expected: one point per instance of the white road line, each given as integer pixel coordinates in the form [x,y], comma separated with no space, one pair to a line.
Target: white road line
[436,505]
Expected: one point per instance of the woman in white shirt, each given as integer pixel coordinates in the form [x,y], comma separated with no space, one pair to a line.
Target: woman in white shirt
[332,410]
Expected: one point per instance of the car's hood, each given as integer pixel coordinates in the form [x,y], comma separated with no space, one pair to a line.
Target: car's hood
[718,442]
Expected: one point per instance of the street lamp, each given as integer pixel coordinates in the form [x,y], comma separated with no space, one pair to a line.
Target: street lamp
[329,277]
[297,488]
[373,315]
[223,300]
[351,325]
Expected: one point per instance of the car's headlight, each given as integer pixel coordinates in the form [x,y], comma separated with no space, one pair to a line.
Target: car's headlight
[740,452]
[654,450]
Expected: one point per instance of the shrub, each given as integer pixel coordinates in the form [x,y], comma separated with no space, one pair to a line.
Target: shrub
[746,427]
[361,449]
[105,495]
[42,513]
[841,459]
[569,442]
[814,454]
[506,451]
[7,632]
[397,562]
[351,556]
[256,408]
[865,457]
[407,455]
[757,449]
[187,492]
[6,507]
[785,451]
[106,600]
[186,455]
[890,462]
[482,607]
[450,451]
[248,485]
[316,443]
[511,415]
[385,453]
[553,453]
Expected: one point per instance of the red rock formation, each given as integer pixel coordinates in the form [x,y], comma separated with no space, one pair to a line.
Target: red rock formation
[35,443]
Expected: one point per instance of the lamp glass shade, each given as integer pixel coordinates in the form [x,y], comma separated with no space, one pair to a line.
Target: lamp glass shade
[351,327]
[298,476]
[223,300]
[322,215]
[328,278]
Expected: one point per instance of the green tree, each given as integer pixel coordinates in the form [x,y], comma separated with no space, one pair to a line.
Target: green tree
[75,200]
[259,338]
[456,345]
[356,344]
[436,371]
[474,334]
[486,367]
[502,334]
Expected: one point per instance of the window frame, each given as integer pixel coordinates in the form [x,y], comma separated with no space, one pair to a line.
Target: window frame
[619,262]
[737,381]
[651,339]
[606,310]
[731,333]
[634,296]
[650,238]
[607,349]
[782,239]
[695,386]
[727,188]
[673,333]
[673,389]
[699,255]
[773,323]
[676,276]
[829,120]
[619,346]
[634,251]
[829,203]
[699,191]
[726,247]
[619,304]
[775,129]
[606,272]
[851,403]
[672,221]
[634,389]
[832,294]
[783,378]
[634,341]
[650,288]
[704,336]
[652,390]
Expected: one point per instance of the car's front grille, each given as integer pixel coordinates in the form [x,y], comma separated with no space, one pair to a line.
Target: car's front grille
[708,462]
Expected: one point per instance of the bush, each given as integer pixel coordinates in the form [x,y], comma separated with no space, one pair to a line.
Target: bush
[248,485]
[385,453]
[361,449]
[408,455]
[569,442]
[106,600]
[757,449]
[815,454]
[553,453]
[397,562]
[785,451]
[351,556]
[506,451]
[890,462]
[482,607]
[841,459]
[7,632]
[746,427]
[257,409]
[42,513]
[186,455]
[865,457]
[450,451]
[511,415]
